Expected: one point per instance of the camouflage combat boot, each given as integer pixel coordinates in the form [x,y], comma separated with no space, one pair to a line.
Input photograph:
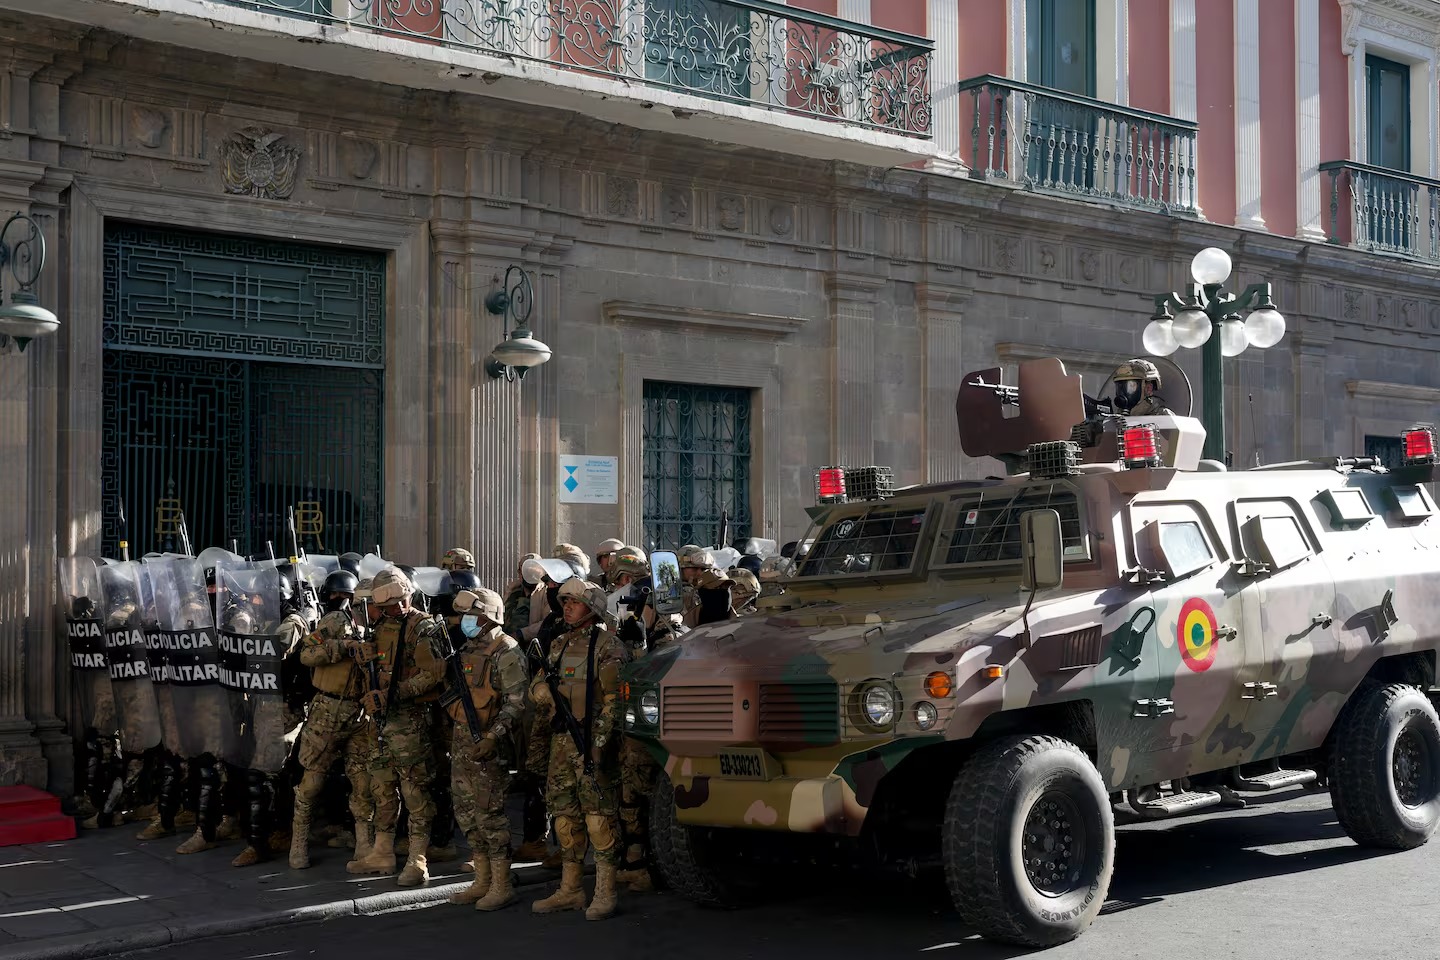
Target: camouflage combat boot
[380,858]
[635,874]
[364,840]
[300,838]
[343,840]
[197,843]
[602,906]
[570,896]
[479,887]
[416,872]
[501,892]
[185,819]
[229,828]
[154,831]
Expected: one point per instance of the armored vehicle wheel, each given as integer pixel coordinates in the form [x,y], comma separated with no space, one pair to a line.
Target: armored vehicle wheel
[1385,767]
[1029,841]
[683,857]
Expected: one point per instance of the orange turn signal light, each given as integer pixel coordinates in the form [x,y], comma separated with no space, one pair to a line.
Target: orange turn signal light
[938,685]
[624,691]
[992,671]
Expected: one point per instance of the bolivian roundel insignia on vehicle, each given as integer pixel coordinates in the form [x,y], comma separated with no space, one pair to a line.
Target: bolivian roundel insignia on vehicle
[1197,634]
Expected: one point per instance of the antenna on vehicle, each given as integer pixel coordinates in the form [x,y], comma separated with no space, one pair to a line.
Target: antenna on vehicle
[1254,434]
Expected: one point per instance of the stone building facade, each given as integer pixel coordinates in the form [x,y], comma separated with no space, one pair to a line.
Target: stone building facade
[841,300]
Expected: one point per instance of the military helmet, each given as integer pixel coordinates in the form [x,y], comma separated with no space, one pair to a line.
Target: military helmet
[363,590]
[608,547]
[747,586]
[464,580]
[634,553]
[635,567]
[350,561]
[457,558]
[587,593]
[341,581]
[574,556]
[1138,369]
[391,585]
[693,557]
[481,602]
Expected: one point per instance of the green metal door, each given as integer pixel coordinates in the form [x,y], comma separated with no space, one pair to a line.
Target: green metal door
[243,379]
[697,464]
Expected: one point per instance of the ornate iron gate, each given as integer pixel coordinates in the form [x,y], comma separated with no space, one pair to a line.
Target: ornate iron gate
[697,464]
[243,378]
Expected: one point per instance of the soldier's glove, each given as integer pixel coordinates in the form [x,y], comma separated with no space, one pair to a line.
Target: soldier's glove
[632,634]
[374,702]
[597,750]
[483,750]
[364,651]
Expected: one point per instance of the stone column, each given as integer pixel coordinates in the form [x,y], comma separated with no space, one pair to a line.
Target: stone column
[1247,115]
[1311,427]
[1310,199]
[452,439]
[1183,90]
[942,24]
[941,367]
[852,309]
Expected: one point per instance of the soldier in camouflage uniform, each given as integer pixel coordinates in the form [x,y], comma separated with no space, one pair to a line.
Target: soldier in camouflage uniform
[533,820]
[584,663]
[442,828]
[604,557]
[457,558]
[334,723]
[400,645]
[709,599]
[643,632]
[1137,386]
[480,771]
[745,592]
[517,599]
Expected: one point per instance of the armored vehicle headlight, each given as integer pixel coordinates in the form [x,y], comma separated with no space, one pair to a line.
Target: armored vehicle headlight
[650,706]
[926,715]
[879,705]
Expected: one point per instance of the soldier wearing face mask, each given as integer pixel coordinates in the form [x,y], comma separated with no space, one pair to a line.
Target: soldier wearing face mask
[495,676]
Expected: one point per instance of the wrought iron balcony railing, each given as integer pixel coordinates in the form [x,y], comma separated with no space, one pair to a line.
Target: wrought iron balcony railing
[1390,211]
[744,51]
[1058,142]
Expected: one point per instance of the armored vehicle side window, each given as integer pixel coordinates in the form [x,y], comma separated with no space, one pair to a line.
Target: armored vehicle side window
[984,528]
[1409,503]
[1272,532]
[1347,508]
[881,541]
[1172,538]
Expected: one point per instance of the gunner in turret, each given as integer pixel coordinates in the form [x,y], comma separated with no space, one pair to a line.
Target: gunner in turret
[1137,390]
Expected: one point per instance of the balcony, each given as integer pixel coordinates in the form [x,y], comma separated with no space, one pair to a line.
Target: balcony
[1059,143]
[1389,211]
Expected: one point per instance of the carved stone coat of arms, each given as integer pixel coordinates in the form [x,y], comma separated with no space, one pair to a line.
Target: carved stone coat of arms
[259,164]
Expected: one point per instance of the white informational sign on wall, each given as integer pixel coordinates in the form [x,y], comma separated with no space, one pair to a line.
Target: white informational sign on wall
[585,479]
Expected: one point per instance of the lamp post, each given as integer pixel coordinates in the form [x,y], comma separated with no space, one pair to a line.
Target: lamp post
[23,318]
[1208,316]
[519,351]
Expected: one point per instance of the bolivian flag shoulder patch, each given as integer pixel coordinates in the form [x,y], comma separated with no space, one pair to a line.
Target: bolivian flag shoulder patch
[569,671]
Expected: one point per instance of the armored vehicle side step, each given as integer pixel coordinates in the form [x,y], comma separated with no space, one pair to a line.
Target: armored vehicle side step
[1176,804]
[1275,779]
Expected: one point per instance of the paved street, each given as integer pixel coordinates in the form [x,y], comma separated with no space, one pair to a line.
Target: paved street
[1274,881]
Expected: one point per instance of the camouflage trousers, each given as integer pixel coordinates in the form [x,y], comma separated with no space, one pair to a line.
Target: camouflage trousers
[337,726]
[478,789]
[584,807]
[637,778]
[399,766]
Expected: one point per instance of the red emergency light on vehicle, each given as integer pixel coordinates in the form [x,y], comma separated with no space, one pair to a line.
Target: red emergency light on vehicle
[830,485]
[1420,445]
[1139,447]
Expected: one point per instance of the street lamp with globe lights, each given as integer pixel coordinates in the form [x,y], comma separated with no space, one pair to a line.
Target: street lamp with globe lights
[1208,316]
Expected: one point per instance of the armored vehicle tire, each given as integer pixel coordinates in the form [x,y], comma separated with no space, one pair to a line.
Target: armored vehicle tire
[682,857]
[1015,805]
[1385,767]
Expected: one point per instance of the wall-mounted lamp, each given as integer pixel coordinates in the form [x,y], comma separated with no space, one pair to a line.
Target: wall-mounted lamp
[23,318]
[519,351]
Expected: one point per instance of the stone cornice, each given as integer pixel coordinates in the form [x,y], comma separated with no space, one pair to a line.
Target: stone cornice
[1379,390]
[1417,21]
[1072,356]
[707,321]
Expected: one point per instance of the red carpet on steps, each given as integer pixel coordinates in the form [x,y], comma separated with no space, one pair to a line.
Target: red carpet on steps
[28,815]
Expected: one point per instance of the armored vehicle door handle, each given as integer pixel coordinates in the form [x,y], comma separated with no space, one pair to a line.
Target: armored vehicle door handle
[1224,632]
[1158,707]
[1322,619]
[1260,691]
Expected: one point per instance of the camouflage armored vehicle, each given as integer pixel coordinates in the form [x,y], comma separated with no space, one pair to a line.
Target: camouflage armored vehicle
[982,673]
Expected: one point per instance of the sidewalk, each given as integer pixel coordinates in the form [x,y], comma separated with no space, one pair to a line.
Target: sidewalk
[106,892]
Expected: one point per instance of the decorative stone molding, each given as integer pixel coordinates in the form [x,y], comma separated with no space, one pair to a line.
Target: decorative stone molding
[1403,30]
[705,321]
[1379,390]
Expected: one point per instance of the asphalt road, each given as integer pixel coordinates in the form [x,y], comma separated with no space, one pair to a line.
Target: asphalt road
[1274,881]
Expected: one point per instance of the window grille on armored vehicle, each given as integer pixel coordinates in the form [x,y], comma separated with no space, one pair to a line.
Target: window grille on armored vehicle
[984,528]
[882,540]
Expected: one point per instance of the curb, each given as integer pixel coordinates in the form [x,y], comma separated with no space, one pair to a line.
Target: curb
[148,936]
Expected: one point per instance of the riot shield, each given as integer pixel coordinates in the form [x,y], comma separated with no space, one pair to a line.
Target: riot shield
[190,654]
[81,603]
[371,564]
[251,656]
[137,713]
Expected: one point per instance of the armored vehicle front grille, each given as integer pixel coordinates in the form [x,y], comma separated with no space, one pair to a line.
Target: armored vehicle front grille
[707,711]
[807,712]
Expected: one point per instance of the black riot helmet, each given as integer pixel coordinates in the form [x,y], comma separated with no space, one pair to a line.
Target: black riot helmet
[340,589]
[290,599]
[351,562]
[464,580]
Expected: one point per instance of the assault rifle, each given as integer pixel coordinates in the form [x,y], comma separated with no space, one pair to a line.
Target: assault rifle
[456,687]
[565,718]
[1008,395]
[372,675]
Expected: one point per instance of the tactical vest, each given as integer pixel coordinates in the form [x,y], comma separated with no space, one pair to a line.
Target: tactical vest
[342,679]
[395,641]
[478,663]
[572,672]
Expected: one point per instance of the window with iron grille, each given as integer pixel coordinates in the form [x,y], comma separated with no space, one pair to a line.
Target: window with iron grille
[880,541]
[985,528]
[696,464]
